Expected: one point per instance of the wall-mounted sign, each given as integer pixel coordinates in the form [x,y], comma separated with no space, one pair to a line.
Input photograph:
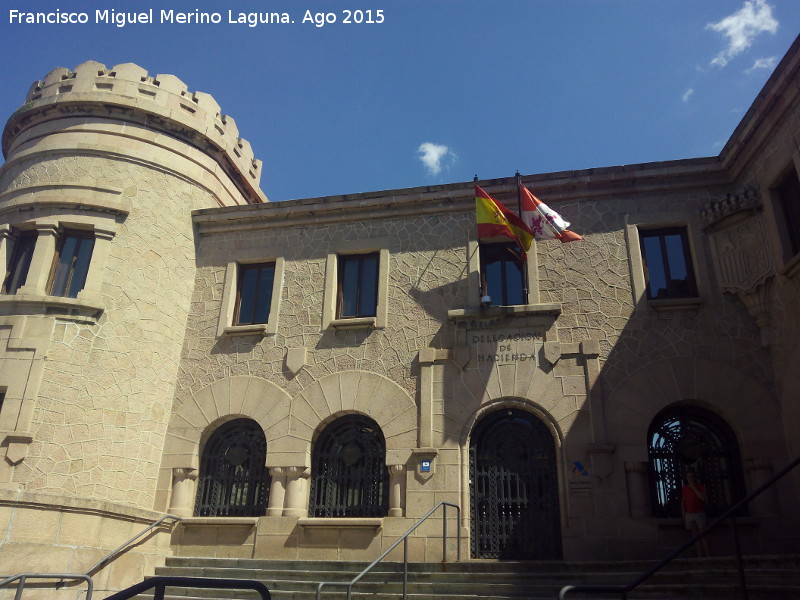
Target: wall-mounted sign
[425,466]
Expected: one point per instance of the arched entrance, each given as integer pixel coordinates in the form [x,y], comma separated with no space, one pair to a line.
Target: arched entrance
[233,480]
[514,503]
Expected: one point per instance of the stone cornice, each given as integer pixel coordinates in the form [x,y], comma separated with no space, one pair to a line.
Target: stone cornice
[553,188]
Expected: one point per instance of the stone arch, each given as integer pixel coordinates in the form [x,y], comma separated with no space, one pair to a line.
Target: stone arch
[746,405]
[492,412]
[215,404]
[347,392]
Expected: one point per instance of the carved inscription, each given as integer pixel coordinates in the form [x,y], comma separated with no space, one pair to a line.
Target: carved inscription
[505,347]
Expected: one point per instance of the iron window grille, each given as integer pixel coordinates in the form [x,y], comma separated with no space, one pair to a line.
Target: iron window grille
[254,293]
[349,477]
[667,263]
[503,274]
[686,437]
[20,263]
[234,481]
[788,194]
[357,294]
[72,264]
[514,502]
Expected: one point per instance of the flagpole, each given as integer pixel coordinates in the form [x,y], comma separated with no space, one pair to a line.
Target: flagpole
[518,179]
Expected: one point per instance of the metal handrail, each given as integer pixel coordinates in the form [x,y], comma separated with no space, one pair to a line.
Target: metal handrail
[86,575]
[159,585]
[731,512]
[404,539]
[23,577]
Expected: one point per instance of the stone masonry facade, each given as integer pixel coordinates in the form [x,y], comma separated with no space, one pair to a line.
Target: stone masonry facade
[112,396]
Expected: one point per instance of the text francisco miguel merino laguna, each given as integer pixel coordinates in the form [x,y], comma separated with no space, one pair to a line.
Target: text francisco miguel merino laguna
[122,18]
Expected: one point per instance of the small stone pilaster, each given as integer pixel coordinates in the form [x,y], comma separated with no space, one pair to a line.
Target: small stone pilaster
[277,491]
[41,261]
[759,471]
[181,499]
[397,478]
[636,480]
[296,499]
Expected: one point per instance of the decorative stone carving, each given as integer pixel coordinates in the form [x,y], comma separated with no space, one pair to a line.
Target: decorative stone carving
[296,359]
[742,255]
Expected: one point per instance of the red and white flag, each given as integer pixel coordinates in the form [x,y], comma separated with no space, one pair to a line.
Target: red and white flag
[545,223]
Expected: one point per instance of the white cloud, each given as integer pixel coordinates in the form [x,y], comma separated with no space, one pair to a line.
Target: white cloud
[763,63]
[742,27]
[435,157]
[687,95]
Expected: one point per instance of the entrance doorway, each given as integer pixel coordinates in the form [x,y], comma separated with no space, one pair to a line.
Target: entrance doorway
[514,506]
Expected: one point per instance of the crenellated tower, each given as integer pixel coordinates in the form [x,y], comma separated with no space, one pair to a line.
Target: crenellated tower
[103,169]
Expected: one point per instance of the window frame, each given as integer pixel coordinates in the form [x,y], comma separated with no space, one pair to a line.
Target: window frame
[786,196]
[14,262]
[360,312]
[661,233]
[77,264]
[379,246]
[484,250]
[257,301]
[230,294]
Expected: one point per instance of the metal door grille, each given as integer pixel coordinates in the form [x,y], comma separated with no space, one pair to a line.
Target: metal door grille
[349,477]
[688,436]
[514,489]
[233,480]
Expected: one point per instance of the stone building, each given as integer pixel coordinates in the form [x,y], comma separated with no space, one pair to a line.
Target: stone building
[306,379]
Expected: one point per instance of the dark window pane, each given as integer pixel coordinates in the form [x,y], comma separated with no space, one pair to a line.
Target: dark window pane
[368,294]
[72,265]
[255,293]
[667,263]
[788,193]
[503,274]
[358,286]
[18,266]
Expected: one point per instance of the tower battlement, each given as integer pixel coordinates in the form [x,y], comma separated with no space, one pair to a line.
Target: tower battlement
[129,92]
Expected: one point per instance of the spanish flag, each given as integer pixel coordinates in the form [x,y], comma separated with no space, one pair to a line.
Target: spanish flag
[496,221]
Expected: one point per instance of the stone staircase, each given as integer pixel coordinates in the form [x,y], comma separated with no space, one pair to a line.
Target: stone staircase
[768,577]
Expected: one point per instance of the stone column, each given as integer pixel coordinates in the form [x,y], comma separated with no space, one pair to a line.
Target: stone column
[759,471]
[41,262]
[396,480]
[296,499]
[181,500]
[277,491]
[638,492]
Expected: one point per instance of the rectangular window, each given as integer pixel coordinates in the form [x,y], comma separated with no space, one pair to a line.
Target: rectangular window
[254,294]
[20,262]
[502,274]
[357,286]
[667,263]
[72,264]
[788,196]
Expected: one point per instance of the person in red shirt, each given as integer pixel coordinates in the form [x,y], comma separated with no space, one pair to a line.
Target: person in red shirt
[693,505]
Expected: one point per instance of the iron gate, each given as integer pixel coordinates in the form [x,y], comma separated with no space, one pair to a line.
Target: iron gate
[514,488]
[233,480]
[348,473]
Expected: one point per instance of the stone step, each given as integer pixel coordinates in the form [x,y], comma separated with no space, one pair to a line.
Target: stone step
[768,577]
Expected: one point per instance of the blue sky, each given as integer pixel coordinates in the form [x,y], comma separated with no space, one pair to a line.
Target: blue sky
[442,89]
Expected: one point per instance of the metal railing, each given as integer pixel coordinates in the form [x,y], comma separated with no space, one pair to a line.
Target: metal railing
[159,585]
[63,578]
[623,590]
[404,540]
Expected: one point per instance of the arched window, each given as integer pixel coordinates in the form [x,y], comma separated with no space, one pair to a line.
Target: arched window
[233,480]
[349,477]
[686,437]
